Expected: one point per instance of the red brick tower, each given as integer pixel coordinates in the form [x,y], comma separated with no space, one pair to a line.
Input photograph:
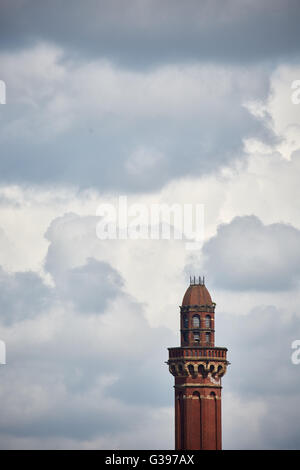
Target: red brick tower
[197,367]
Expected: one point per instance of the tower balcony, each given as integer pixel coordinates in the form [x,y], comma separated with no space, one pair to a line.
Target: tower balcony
[186,353]
[198,362]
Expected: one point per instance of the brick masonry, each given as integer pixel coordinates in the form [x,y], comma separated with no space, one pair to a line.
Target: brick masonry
[198,367]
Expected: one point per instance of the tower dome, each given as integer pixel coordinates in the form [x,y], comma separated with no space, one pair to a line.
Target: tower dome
[197,294]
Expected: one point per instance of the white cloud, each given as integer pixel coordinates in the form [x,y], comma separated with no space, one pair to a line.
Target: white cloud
[285,114]
[280,111]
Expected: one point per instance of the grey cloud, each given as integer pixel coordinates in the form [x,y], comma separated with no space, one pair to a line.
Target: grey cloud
[261,371]
[89,287]
[94,150]
[23,295]
[77,381]
[260,341]
[99,161]
[78,414]
[154,31]
[72,240]
[248,255]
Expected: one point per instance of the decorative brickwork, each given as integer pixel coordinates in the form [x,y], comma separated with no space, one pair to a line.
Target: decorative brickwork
[198,367]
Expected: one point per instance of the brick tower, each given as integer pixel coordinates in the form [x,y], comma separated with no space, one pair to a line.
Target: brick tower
[197,366]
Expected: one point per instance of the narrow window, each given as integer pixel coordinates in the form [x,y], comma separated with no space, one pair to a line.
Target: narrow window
[196,336]
[207,321]
[185,337]
[196,321]
[185,321]
[207,337]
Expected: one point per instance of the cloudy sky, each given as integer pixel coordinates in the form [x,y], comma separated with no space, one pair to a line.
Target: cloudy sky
[163,102]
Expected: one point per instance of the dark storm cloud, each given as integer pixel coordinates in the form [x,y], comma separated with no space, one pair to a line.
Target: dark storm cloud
[248,255]
[150,32]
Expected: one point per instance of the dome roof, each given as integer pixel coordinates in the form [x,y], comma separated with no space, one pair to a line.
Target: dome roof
[197,294]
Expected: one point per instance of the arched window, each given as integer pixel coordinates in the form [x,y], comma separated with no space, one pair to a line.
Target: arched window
[207,338]
[196,321]
[207,321]
[185,337]
[185,321]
